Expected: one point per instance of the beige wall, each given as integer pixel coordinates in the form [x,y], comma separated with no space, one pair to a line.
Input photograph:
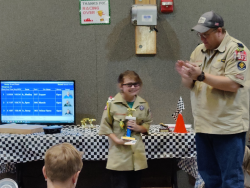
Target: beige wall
[44,40]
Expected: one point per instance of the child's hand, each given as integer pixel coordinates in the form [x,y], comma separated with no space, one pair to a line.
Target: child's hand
[131,124]
[117,140]
[121,141]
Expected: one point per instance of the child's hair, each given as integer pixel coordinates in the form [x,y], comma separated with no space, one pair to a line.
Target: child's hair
[131,75]
[62,161]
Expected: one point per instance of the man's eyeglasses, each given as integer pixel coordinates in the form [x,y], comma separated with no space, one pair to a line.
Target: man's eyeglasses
[205,35]
[136,84]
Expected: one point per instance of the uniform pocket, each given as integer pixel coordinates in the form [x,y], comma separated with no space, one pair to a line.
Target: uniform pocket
[217,68]
[119,118]
[217,64]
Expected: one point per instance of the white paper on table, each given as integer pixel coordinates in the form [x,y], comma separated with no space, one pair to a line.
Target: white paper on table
[188,126]
[132,142]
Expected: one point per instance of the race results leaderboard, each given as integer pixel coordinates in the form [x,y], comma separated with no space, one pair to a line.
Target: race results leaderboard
[33,99]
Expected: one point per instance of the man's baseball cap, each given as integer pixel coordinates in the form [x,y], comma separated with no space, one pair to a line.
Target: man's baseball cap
[207,21]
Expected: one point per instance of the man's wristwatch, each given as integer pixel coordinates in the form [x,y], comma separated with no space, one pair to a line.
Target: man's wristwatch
[201,77]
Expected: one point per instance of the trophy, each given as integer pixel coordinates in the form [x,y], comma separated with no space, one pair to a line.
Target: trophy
[83,122]
[90,121]
[129,117]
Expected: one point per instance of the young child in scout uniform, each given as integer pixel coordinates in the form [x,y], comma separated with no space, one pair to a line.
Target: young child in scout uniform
[126,161]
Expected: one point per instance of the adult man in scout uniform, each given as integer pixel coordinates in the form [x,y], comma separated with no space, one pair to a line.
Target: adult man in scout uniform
[218,77]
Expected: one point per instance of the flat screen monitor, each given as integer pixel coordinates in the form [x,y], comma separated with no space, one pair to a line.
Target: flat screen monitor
[38,102]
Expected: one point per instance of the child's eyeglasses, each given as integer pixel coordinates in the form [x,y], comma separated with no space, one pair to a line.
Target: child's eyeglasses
[136,84]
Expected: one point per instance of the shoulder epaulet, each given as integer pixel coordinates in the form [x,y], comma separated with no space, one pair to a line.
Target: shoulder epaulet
[110,99]
[240,47]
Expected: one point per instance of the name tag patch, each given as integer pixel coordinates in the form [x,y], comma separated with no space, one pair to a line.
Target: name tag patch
[221,60]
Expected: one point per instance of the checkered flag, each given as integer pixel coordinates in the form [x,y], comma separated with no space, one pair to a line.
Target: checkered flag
[180,107]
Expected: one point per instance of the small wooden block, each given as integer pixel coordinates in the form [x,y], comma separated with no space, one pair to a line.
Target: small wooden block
[21,129]
[142,1]
[145,41]
[152,2]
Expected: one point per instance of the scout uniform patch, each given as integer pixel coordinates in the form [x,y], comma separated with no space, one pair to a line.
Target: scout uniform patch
[141,107]
[239,76]
[241,65]
[240,54]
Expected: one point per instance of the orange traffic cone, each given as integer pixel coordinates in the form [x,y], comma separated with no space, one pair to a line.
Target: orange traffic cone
[180,125]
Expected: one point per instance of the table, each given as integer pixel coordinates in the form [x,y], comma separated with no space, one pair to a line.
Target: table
[189,165]
[32,147]
[23,148]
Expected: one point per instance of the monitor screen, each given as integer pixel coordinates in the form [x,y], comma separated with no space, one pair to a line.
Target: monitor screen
[38,102]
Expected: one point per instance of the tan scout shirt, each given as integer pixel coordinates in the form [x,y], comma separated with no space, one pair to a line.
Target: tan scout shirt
[125,157]
[216,111]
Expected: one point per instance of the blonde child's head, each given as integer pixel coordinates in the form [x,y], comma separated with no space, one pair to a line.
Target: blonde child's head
[61,162]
